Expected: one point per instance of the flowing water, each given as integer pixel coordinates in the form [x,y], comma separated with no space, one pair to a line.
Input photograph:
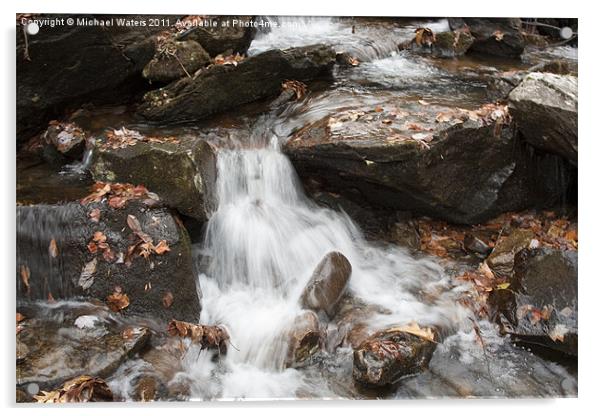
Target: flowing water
[266,237]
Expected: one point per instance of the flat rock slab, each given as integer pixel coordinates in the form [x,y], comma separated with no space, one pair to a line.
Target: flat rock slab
[428,159]
[182,174]
[64,345]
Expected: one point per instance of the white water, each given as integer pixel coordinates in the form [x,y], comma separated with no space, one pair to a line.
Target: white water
[263,242]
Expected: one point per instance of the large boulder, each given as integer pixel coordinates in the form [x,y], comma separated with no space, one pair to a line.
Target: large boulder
[174,60]
[67,341]
[541,305]
[327,284]
[219,88]
[388,355]
[545,108]
[96,251]
[459,165]
[226,35]
[501,259]
[493,36]
[66,66]
[182,171]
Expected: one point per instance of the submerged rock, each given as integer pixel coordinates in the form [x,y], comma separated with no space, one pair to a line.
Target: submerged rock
[426,159]
[327,284]
[389,355]
[59,350]
[493,36]
[222,87]
[174,60]
[541,307]
[182,173]
[91,250]
[304,339]
[545,108]
[230,35]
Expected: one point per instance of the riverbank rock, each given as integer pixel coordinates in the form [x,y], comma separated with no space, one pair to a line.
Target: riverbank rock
[459,165]
[541,306]
[63,142]
[444,45]
[545,108]
[66,342]
[227,35]
[136,258]
[181,171]
[389,355]
[219,88]
[327,284]
[174,60]
[65,66]
[493,36]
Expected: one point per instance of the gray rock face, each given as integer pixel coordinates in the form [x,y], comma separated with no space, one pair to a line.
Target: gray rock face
[182,174]
[493,36]
[541,307]
[67,344]
[327,284]
[223,87]
[461,171]
[545,108]
[72,65]
[162,286]
[176,60]
[389,355]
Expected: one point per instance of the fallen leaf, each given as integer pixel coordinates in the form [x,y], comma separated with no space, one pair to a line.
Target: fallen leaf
[413,328]
[498,35]
[53,249]
[95,215]
[86,278]
[162,247]
[118,300]
[167,300]
[20,317]
[78,390]
[558,333]
[25,274]
[503,286]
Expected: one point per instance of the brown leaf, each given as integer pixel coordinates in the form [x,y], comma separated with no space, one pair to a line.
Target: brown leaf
[25,274]
[99,237]
[118,300]
[414,329]
[20,317]
[80,389]
[95,215]
[167,300]
[92,247]
[53,249]
[86,278]
[162,247]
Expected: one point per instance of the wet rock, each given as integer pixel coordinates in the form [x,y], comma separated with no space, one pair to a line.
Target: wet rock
[67,66]
[63,142]
[304,339]
[68,267]
[501,259]
[182,174]
[405,234]
[327,284]
[556,66]
[389,355]
[444,45]
[221,39]
[222,87]
[493,36]
[541,307]
[175,60]
[60,351]
[475,245]
[545,108]
[148,389]
[460,170]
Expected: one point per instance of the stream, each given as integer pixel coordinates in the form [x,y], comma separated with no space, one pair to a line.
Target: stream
[266,236]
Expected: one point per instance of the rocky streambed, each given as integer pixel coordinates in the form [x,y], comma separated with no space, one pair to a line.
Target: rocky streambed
[333,208]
